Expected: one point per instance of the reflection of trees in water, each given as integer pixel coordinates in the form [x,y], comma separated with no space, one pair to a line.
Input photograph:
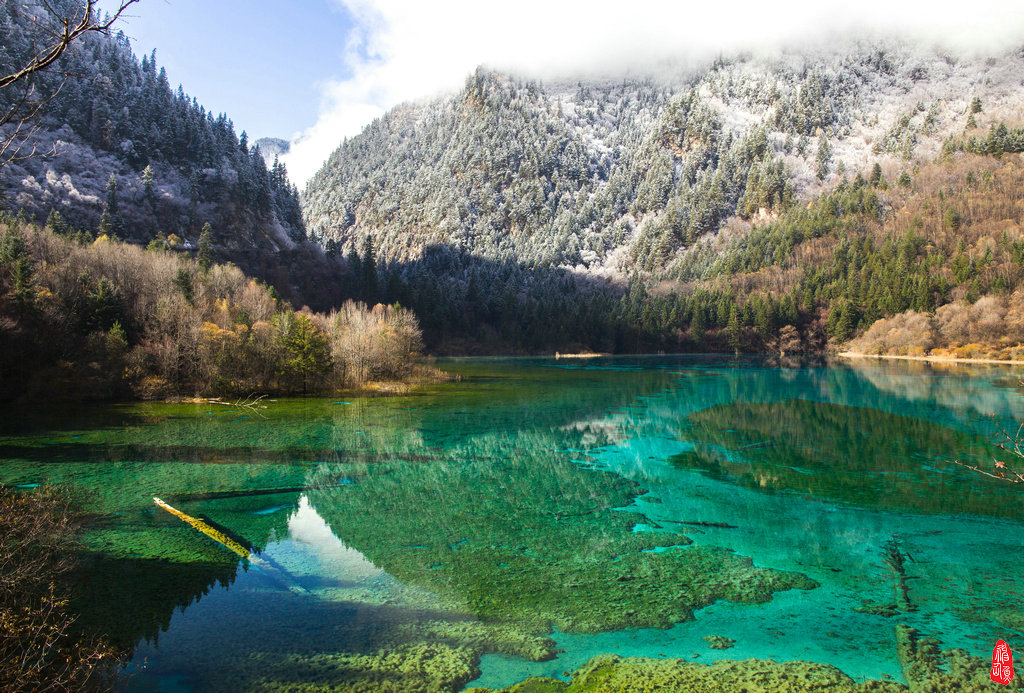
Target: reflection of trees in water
[857,455]
[963,391]
[512,529]
[144,567]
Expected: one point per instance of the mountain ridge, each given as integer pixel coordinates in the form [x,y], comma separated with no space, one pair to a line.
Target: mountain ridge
[863,103]
[625,200]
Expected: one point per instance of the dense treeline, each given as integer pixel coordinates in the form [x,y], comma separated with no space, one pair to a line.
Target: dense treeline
[819,273]
[672,213]
[571,174]
[857,254]
[106,319]
[511,171]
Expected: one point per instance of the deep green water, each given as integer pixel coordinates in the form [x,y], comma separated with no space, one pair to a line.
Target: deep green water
[540,512]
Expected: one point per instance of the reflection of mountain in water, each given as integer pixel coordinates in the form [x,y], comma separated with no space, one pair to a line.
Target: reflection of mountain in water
[471,491]
[510,527]
[144,567]
[856,455]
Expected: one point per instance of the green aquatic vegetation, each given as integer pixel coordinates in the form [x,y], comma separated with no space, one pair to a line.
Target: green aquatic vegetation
[419,667]
[856,455]
[718,642]
[512,531]
[878,609]
[426,656]
[614,674]
[485,637]
[1009,618]
[927,667]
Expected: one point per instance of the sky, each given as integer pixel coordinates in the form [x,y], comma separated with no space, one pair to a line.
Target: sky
[263,63]
[317,71]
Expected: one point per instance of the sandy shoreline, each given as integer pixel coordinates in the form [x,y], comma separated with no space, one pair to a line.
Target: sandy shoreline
[930,359]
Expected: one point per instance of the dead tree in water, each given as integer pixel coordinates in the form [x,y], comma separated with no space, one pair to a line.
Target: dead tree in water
[893,556]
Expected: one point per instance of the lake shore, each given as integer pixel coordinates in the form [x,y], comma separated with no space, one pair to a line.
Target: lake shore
[929,359]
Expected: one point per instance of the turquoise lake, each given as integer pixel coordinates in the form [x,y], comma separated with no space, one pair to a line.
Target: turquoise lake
[535,513]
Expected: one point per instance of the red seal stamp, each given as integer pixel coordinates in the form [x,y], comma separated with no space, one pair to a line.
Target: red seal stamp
[1002,664]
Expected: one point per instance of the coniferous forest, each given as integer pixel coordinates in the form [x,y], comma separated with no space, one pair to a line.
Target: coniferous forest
[507,525]
[762,204]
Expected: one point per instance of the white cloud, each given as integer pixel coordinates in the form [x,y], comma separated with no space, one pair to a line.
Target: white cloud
[401,50]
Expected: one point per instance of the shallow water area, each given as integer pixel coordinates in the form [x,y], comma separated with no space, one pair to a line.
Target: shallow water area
[540,512]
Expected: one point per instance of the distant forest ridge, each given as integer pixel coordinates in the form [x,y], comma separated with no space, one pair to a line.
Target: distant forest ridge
[758,202]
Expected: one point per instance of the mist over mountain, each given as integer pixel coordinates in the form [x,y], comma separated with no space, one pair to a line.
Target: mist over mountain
[621,213]
[627,175]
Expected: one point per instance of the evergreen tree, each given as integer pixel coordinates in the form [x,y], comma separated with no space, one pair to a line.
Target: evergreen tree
[732,330]
[823,158]
[876,175]
[368,271]
[148,183]
[307,357]
[205,254]
[56,223]
[111,223]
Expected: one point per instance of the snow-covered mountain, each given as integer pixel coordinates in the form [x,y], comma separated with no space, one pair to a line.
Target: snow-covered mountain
[626,174]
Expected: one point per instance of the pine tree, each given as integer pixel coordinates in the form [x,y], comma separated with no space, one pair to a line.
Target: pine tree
[148,182]
[368,271]
[876,174]
[307,354]
[823,158]
[732,330]
[16,273]
[55,222]
[205,253]
[111,223]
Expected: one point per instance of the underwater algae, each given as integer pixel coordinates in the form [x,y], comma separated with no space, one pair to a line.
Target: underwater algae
[719,642]
[926,667]
[858,455]
[533,538]
[614,674]
[493,531]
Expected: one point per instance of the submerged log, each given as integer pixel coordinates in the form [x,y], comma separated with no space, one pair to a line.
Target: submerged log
[269,568]
[219,537]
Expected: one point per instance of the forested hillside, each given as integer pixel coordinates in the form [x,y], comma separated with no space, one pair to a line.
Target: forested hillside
[115,150]
[780,201]
[685,210]
[106,319]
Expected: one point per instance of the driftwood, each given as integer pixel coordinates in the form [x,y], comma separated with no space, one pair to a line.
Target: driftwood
[251,402]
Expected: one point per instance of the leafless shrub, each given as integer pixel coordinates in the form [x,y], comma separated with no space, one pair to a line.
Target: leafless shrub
[953,323]
[986,319]
[372,344]
[902,334]
[40,649]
